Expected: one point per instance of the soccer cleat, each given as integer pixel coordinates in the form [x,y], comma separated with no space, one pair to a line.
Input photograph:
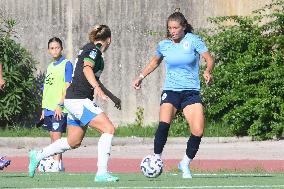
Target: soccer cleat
[106,178]
[185,171]
[33,163]
[4,163]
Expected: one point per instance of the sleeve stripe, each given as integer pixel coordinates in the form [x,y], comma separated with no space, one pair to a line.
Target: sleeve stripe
[89,60]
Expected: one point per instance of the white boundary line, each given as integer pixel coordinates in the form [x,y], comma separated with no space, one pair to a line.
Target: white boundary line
[177,187]
[210,174]
[232,174]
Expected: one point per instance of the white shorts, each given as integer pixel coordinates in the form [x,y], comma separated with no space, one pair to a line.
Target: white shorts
[81,111]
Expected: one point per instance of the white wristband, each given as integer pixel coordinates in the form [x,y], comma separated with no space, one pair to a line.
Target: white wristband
[141,76]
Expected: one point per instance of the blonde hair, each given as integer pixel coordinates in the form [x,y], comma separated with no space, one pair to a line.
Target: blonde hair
[99,32]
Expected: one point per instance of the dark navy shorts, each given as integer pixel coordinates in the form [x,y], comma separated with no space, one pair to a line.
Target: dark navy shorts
[53,125]
[180,99]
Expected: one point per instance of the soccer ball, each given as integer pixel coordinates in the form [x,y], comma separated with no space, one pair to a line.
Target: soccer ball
[48,165]
[151,166]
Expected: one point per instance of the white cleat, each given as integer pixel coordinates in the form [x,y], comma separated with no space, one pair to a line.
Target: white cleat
[185,171]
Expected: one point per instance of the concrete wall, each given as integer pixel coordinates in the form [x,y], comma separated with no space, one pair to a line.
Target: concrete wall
[136,27]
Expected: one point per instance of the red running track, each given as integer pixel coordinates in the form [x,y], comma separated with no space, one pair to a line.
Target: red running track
[20,164]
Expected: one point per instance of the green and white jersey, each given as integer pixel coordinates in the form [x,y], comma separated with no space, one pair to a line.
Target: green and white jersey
[80,88]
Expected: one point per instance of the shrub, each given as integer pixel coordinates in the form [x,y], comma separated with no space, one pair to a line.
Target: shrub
[179,126]
[19,100]
[248,89]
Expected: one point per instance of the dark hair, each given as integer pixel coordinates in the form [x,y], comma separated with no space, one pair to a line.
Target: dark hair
[179,17]
[99,32]
[55,39]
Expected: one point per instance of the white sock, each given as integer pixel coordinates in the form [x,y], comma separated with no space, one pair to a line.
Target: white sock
[57,147]
[61,166]
[104,146]
[186,160]
[158,155]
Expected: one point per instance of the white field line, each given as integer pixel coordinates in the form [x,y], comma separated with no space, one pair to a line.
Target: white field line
[232,174]
[177,187]
[212,174]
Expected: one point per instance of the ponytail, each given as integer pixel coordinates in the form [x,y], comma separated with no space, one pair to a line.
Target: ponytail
[99,32]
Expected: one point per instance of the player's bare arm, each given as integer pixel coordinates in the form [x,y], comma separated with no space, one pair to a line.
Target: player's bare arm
[154,63]
[209,67]
[90,76]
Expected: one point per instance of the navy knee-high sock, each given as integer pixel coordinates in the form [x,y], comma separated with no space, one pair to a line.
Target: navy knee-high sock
[161,137]
[193,146]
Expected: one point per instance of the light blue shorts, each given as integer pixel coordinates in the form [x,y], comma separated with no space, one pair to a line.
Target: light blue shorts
[81,111]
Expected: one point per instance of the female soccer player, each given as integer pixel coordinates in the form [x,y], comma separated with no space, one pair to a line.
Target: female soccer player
[83,111]
[181,51]
[57,79]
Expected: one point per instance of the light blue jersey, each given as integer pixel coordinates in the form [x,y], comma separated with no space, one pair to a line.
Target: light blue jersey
[182,62]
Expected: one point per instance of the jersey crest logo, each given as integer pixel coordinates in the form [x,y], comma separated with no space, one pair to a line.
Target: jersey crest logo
[186,45]
[93,54]
[55,125]
[80,52]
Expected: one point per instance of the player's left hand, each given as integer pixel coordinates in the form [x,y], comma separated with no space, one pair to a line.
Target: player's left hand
[208,77]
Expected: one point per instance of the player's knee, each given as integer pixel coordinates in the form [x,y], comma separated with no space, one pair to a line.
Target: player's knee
[198,133]
[75,144]
[109,129]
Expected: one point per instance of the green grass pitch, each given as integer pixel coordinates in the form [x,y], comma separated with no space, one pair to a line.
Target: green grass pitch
[137,180]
